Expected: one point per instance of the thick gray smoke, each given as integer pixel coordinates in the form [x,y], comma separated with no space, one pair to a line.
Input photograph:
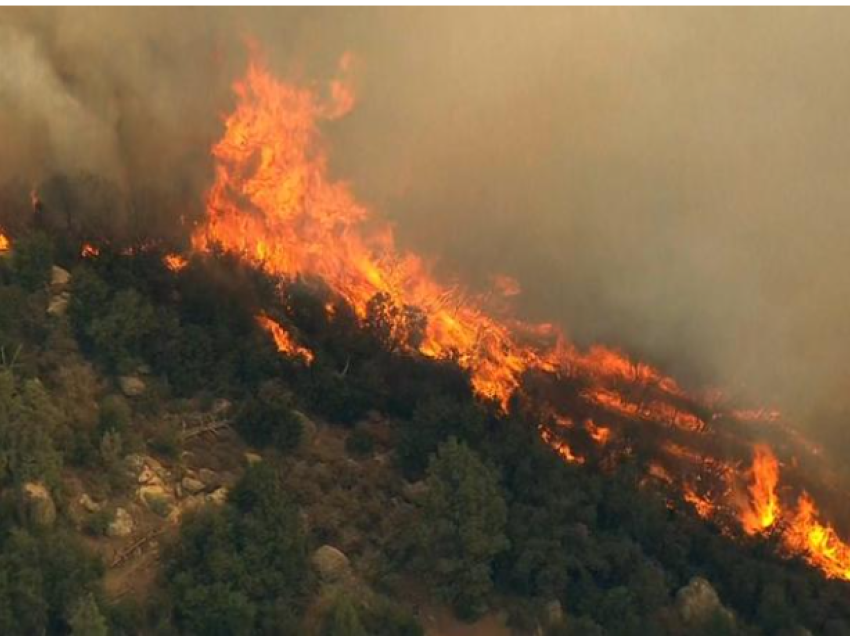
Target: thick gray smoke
[671,181]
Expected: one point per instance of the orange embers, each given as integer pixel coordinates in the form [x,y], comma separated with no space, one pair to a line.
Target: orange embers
[283,340]
[763,509]
[599,434]
[174,262]
[559,446]
[5,243]
[89,251]
[704,507]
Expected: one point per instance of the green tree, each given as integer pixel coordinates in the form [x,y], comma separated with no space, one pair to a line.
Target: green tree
[461,529]
[242,569]
[120,331]
[89,298]
[86,619]
[28,421]
[41,577]
[434,420]
[32,260]
[114,415]
[267,418]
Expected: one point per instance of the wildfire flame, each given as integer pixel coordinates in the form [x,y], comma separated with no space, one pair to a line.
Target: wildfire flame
[175,262]
[89,251]
[764,509]
[819,543]
[704,507]
[274,203]
[283,340]
[560,446]
[599,434]
[801,531]
[5,243]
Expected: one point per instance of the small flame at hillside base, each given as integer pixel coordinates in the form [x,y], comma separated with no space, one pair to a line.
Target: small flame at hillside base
[283,340]
[274,203]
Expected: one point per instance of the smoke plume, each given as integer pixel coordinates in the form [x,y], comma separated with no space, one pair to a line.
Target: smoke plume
[669,181]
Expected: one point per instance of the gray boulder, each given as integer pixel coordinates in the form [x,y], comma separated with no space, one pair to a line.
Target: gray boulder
[59,278]
[414,491]
[192,486]
[131,385]
[554,613]
[121,525]
[40,509]
[58,305]
[698,603]
[88,504]
[331,564]
[253,458]
[210,478]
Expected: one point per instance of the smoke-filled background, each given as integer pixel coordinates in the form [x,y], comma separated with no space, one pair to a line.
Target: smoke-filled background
[674,182]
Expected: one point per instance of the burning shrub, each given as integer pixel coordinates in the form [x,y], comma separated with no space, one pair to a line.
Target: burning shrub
[396,327]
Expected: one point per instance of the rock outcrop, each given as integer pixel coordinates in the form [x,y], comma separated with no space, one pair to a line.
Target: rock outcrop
[331,564]
[698,603]
[40,509]
[132,386]
[122,524]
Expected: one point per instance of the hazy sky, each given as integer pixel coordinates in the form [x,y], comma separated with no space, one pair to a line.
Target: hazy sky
[673,181]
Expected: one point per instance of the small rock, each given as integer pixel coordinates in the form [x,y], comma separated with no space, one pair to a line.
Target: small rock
[88,504]
[331,564]
[209,478]
[59,277]
[554,613]
[135,463]
[131,385]
[698,602]
[146,475]
[156,499]
[414,491]
[220,406]
[218,497]
[121,525]
[192,486]
[58,305]
[192,503]
[41,511]
[253,458]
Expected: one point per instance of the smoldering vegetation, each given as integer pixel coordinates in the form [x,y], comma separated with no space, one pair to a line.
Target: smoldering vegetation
[671,182]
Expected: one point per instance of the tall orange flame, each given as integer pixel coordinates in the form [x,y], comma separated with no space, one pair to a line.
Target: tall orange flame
[818,542]
[764,506]
[5,243]
[274,203]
